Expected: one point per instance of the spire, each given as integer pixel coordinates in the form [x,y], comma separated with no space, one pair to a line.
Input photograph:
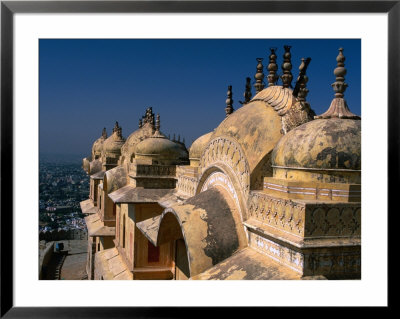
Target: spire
[229,102]
[247,92]
[116,126]
[272,68]
[104,133]
[338,107]
[286,68]
[140,123]
[300,90]
[117,129]
[259,76]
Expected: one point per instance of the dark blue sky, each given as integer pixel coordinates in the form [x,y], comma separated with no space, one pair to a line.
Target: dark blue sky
[86,85]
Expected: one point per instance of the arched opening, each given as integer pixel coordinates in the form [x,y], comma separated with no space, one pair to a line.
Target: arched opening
[170,231]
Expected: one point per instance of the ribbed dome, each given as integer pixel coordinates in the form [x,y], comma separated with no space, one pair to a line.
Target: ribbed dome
[160,148]
[198,146]
[321,144]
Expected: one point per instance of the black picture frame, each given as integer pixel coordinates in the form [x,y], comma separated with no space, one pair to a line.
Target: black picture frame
[9,8]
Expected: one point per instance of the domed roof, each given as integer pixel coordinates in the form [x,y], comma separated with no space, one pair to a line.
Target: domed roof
[321,144]
[332,141]
[137,136]
[161,148]
[257,126]
[198,146]
[98,144]
[114,143]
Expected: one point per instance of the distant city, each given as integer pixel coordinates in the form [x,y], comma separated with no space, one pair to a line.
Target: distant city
[62,185]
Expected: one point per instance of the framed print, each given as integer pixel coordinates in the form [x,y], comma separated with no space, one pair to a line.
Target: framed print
[258,187]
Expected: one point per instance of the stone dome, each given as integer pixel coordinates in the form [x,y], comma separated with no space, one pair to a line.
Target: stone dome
[128,149]
[161,150]
[112,145]
[198,146]
[97,147]
[321,144]
[257,126]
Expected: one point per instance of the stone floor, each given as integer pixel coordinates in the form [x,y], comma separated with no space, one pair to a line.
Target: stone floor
[74,265]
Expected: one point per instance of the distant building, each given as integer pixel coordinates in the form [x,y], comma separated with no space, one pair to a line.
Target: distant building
[274,192]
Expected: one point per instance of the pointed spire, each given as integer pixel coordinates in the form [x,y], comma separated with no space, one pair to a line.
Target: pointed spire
[247,92]
[229,102]
[338,107]
[272,68]
[104,133]
[259,76]
[173,138]
[140,123]
[286,68]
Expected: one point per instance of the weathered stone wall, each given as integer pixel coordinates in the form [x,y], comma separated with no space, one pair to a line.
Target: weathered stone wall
[70,234]
[44,258]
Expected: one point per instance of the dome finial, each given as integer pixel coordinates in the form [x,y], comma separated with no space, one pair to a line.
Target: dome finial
[339,86]
[338,107]
[247,92]
[115,126]
[157,125]
[272,68]
[259,76]
[300,90]
[104,133]
[229,102]
[286,68]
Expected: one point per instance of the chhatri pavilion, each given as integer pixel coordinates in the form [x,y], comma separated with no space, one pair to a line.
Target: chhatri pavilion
[273,192]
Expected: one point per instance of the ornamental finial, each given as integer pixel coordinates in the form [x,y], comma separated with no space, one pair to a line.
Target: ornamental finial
[339,107]
[157,125]
[272,68]
[247,92]
[229,102]
[259,76]
[104,133]
[286,68]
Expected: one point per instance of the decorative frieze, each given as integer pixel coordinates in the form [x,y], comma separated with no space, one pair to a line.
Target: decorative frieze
[223,150]
[331,262]
[187,185]
[153,170]
[282,214]
[306,219]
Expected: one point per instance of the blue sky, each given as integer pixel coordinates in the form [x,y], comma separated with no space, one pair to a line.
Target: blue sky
[85,85]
